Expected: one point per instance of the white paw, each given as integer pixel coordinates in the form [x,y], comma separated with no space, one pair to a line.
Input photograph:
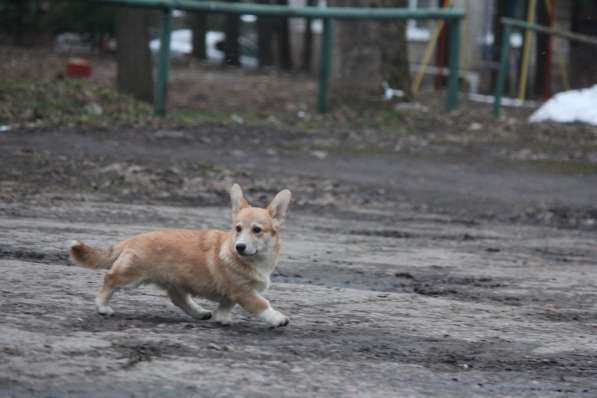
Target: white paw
[223,318]
[105,310]
[274,318]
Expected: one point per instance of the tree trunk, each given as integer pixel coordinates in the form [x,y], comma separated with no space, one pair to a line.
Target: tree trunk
[132,55]
[20,25]
[369,52]
[199,27]
[582,55]
[284,45]
[22,19]
[308,42]
[394,51]
[357,59]
[543,55]
[265,33]
[231,45]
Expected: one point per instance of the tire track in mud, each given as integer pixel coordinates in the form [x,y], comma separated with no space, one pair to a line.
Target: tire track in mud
[34,256]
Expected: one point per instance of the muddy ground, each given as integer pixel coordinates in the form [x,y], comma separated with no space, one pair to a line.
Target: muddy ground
[426,254]
[432,270]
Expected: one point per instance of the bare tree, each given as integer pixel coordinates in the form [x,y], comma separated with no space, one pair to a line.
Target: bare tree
[231,44]
[369,52]
[542,86]
[199,28]
[133,55]
[356,64]
[270,30]
[307,55]
[582,55]
[284,44]
[394,50]
[265,33]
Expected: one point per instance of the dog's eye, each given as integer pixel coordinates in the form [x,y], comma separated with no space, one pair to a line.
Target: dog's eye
[256,230]
[239,228]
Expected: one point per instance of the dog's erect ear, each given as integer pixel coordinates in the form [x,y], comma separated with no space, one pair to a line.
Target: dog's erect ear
[238,199]
[279,207]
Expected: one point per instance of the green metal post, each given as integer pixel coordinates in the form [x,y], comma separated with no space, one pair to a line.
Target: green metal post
[503,71]
[325,63]
[161,86]
[453,60]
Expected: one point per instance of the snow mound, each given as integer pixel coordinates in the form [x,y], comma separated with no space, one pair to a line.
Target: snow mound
[569,106]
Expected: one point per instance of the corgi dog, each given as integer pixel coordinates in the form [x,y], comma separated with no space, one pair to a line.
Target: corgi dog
[229,267]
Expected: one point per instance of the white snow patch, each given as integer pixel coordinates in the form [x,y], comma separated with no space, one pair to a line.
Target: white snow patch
[569,106]
[181,45]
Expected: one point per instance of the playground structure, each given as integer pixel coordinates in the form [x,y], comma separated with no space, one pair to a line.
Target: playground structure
[451,16]
[509,24]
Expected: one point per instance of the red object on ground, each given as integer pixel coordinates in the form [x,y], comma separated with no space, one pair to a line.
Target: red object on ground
[78,67]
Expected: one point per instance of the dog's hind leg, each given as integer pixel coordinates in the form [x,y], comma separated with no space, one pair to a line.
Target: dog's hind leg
[184,301]
[120,275]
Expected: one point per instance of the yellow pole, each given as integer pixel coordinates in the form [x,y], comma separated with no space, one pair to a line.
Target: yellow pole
[428,53]
[526,51]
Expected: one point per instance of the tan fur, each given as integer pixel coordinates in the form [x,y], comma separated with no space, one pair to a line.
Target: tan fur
[201,263]
[92,257]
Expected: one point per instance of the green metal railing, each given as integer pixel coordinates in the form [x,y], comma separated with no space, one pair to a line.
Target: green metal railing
[327,14]
[510,23]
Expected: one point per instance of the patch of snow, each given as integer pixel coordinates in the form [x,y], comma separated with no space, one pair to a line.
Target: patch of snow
[414,33]
[569,106]
[516,39]
[181,45]
[248,18]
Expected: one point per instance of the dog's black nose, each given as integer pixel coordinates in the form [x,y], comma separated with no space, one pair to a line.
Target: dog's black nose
[241,247]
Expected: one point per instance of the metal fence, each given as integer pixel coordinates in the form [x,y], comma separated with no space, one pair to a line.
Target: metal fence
[452,17]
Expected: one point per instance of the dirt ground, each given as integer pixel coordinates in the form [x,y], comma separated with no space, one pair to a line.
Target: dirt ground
[444,255]
[404,274]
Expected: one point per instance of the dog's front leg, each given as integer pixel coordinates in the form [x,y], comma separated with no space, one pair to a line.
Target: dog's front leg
[223,314]
[257,305]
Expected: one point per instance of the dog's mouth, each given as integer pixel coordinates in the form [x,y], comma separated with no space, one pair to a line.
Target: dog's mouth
[244,250]
[246,254]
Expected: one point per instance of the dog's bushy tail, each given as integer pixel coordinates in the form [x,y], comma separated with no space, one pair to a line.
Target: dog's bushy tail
[91,257]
